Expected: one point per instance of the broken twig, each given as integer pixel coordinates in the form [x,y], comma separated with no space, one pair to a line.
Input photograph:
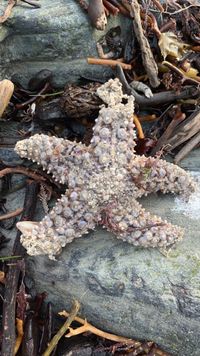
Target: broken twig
[33,98]
[158,98]
[22,170]
[108,62]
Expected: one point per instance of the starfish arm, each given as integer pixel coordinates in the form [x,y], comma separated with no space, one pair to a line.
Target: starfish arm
[54,154]
[131,223]
[114,135]
[151,174]
[70,218]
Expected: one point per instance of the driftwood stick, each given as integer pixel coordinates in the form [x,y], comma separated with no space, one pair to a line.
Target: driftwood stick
[165,136]
[195,140]
[63,329]
[158,98]
[12,276]
[147,56]
[6,92]
[182,74]
[185,130]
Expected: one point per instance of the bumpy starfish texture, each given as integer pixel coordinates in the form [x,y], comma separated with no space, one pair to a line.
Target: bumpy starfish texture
[103,182]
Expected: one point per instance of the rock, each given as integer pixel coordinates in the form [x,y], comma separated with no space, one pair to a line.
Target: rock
[58,37]
[138,293]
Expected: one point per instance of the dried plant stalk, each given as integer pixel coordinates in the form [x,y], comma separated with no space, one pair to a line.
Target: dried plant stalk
[138,126]
[6,92]
[20,332]
[88,327]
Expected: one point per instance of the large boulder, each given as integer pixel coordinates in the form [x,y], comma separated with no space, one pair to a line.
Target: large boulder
[58,36]
[138,293]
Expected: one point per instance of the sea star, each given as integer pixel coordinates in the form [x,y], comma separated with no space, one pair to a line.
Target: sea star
[103,181]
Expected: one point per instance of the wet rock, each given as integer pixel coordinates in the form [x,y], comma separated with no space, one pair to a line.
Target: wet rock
[56,37]
[138,293]
[7,223]
[38,81]
[77,347]
[47,114]
[77,128]
[50,115]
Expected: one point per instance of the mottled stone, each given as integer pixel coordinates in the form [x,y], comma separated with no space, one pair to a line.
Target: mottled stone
[131,291]
[58,36]
[123,289]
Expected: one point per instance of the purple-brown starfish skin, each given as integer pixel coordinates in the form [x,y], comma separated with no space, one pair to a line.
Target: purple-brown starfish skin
[103,182]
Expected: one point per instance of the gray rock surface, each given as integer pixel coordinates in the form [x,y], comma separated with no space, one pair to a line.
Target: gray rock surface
[134,292]
[58,36]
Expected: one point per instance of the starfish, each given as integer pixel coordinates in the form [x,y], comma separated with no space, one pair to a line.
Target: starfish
[103,182]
